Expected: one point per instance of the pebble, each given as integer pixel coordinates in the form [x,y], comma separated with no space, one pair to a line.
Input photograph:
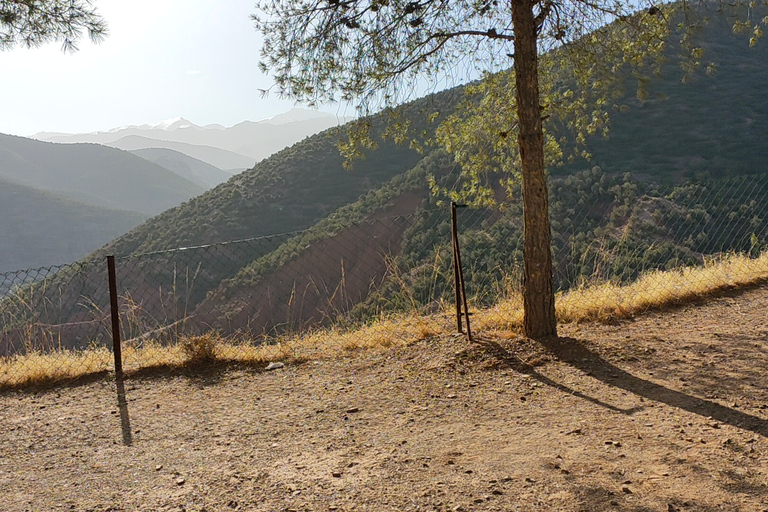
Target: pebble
[274,366]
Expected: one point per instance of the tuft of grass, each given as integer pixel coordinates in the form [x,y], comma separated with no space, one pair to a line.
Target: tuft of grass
[199,349]
[597,302]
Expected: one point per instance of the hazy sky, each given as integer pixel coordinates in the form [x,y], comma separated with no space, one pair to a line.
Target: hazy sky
[195,59]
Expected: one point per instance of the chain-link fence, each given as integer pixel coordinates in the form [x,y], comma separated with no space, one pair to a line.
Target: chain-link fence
[619,246]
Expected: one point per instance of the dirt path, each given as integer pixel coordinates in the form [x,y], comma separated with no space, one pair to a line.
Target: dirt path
[665,413]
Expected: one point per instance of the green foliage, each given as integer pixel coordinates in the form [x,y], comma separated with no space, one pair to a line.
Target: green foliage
[33,23]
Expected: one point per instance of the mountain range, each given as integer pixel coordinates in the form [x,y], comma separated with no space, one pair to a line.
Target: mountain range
[91,193]
[231,149]
[93,174]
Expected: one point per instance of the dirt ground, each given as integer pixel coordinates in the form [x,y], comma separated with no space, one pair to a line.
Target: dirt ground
[668,412]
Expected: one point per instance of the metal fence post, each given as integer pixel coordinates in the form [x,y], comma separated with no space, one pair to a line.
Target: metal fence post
[456,279]
[116,349]
[461,293]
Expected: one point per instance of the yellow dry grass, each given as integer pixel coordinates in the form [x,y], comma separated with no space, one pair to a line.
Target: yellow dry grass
[37,369]
[599,302]
[652,291]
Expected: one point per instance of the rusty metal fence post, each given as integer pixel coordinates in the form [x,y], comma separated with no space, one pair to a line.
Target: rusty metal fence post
[116,349]
[458,273]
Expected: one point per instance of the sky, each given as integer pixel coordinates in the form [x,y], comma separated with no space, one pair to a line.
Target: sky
[196,59]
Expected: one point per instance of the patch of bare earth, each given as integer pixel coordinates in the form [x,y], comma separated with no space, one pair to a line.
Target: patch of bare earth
[665,413]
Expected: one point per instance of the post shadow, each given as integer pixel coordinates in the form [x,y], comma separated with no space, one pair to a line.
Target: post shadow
[576,353]
[122,405]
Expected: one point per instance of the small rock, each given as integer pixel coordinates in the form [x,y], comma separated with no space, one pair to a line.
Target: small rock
[352,410]
[180,481]
[274,366]
[158,467]
[336,474]
[626,490]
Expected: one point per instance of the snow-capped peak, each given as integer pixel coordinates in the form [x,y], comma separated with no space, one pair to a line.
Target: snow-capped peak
[168,125]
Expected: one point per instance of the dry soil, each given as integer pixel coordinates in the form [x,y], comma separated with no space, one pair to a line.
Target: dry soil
[668,412]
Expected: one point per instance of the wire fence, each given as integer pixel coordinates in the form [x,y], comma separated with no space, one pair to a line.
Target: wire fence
[343,283]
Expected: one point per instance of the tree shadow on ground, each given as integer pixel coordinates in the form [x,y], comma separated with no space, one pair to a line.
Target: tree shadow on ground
[577,354]
[512,362]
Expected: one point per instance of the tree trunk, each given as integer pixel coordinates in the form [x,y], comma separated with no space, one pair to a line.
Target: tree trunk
[538,290]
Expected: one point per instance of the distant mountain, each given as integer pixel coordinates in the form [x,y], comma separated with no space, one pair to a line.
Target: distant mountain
[41,229]
[196,171]
[93,174]
[252,141]
[300,114]
[220,158]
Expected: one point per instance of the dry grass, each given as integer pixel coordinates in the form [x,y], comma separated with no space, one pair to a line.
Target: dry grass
[38,369]
[652,291]
[600,302]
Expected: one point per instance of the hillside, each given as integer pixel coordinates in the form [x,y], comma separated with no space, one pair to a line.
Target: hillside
[289,191]
[706,126]
[664,413]
[40,229]
[93,174]
[192,169]
[220,158]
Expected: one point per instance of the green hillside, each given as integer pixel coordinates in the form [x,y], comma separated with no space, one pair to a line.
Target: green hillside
[695,127]
[41,229]
[196,171]
[288,191]
[93,174]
